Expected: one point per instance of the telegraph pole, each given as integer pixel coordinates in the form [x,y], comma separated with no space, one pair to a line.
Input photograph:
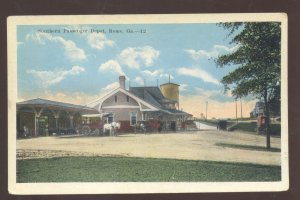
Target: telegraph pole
[236,111]
[241,109]
[206,110]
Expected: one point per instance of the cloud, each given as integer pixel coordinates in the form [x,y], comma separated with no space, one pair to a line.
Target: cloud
[79,98]
[38,37]
[103,92]
[72,52]
[183,87]
[213,53]
[99,41]
[229,93]
[207,93]
[134,57]
[225,48]
[166,76]
[159,73]
[138,81]
[96,40]
[48,78]
[198,73]
[110,87]
[216,95]
[112,66]
[154,73]
[201,54]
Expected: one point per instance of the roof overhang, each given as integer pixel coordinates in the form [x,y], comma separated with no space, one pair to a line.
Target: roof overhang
[42,104]
[98,104]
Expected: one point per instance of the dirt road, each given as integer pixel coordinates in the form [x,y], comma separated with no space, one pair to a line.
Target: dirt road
[198,145]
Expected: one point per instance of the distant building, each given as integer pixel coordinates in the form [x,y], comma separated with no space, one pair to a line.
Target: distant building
[202,116]
[258,110]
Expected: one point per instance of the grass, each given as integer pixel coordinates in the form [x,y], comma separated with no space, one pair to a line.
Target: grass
[245,126]
[275,129]
[125,169]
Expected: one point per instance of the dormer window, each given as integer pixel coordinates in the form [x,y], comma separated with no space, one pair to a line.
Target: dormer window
[127,98]
[116,99]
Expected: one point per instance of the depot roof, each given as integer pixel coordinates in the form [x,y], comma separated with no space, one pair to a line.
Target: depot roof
[55,105]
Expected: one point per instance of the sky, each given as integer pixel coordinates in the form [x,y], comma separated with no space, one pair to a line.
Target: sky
[80,63]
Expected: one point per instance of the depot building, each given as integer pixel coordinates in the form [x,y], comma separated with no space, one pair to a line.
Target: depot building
[156,106]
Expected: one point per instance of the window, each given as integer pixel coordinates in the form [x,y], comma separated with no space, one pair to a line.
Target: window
[116,99]
[133,118]
[110,118]
[144,116]
[127,97]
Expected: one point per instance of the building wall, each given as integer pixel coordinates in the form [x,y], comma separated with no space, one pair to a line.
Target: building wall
[122,109]
[123,114]
[121,100]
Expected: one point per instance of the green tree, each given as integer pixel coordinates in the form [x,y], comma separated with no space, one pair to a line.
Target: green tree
[257,61]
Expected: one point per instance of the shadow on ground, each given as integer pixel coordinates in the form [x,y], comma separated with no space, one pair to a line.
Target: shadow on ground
[248,147]
[91,136]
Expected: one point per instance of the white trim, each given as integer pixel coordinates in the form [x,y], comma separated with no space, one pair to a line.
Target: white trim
[137,99]
[120,106]
[95,102]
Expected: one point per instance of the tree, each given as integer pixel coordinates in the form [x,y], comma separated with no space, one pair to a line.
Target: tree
[257,61]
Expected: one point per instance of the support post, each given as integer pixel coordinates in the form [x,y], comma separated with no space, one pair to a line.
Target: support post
[37,114]
[56,121]
[56,117]
[35,124]
[71,121]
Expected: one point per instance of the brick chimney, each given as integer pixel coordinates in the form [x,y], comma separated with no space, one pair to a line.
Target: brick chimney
[122,81]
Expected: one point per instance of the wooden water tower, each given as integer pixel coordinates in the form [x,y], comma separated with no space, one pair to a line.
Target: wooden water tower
[171,91]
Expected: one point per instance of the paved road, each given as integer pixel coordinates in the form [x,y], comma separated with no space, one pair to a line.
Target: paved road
[202,126]
[191,145]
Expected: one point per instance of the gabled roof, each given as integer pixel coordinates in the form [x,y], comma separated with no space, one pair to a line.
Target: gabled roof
[176,112]
[152,95]
[98,103]
[148,94]
[53,104]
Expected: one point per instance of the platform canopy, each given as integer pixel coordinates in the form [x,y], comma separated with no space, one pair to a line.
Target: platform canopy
[38,103]
[40,107]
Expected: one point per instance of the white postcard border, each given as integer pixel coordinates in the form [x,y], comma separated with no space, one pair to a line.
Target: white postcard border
[140,187]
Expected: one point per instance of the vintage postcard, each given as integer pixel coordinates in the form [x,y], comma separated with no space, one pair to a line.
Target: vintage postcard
[147,103]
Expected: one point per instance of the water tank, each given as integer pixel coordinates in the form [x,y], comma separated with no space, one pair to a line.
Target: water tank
[170,91]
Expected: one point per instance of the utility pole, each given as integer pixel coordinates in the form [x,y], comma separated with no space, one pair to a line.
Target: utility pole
[236,111]
[206,111]
[241,109]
